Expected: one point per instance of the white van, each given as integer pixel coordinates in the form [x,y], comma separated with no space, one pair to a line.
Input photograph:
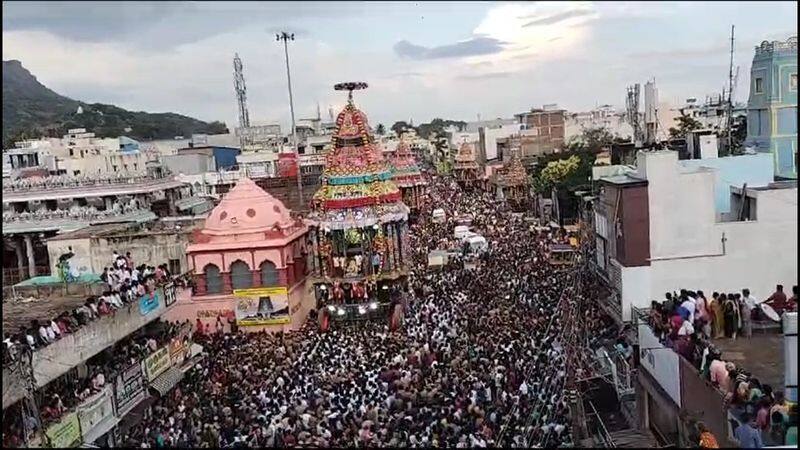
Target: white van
[477,244]
[461,231]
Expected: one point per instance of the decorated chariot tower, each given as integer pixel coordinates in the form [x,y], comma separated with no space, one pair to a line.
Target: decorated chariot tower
[466,168]
[407,175]
[511,183]
[359,234]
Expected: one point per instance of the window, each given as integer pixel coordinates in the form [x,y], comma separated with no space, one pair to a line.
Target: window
[793,81]
[241,277]
[213,279]
[76,172]
[174,266]
[759,85]
[269,274]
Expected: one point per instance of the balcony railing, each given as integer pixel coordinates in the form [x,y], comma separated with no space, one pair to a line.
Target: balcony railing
[61,356]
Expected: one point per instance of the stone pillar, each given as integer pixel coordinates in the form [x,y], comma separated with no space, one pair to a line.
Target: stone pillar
[282,278]
[299,268]
[227,285]
[31,259]
[290,278]
[200,283]
[20,256]
[256,278]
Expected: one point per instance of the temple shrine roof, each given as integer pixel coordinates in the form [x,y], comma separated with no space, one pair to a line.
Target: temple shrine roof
[248,210]
[513,174]
[357,188]
[465,158]
[405,168]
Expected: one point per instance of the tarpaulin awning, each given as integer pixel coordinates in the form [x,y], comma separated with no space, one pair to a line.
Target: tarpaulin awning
[168,380]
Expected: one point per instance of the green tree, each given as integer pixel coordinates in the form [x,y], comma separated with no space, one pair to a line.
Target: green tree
[685,125]
[400,127]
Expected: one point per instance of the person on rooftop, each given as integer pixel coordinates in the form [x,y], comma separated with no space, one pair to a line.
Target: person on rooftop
[777,300]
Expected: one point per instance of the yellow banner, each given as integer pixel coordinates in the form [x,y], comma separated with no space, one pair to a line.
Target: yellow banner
[254,321]
[66,433]
[258,292]
[157,363]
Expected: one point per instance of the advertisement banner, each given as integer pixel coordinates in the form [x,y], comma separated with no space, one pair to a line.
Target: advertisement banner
[157,363]
[169,294]
[95,410]
[148,302]
[66,433]
[130,389]
[262,306]
[180,345]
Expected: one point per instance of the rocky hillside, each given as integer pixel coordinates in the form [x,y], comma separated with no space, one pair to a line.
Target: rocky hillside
[30,109]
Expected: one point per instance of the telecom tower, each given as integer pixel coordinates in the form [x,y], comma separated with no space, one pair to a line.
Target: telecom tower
[633,115]
[650,113]
[241,92]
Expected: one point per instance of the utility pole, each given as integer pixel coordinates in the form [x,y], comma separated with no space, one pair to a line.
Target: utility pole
[730,99]
[286,37]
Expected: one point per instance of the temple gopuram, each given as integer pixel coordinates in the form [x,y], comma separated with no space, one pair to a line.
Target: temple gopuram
[466,169]
[407,176]
[359,234]
[511,183]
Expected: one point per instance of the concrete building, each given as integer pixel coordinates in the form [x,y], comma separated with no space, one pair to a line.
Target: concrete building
[662,227]
[161,241]
[249,242]
[544,128]
[489,137]
[772,104]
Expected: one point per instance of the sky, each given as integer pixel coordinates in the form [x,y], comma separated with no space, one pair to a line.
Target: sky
[421,59]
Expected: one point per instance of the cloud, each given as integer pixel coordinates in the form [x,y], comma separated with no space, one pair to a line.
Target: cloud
[475,46]
[556,18]
[483,76]
[161,25]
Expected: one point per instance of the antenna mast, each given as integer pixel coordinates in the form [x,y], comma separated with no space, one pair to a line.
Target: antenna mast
[729,124]
[241,92]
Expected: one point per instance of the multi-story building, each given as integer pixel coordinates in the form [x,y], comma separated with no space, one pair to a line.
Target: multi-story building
[665,226]
[542,130]
[33,376]
[772,105]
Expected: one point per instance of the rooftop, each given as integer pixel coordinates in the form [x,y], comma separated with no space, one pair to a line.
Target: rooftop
[18,313]
[624,179]
[762,355]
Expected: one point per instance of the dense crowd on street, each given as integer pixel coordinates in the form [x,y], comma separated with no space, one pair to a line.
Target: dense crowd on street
[689,323]
[479,361]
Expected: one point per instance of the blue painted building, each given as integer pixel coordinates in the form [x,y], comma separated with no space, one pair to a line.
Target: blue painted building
[755,170]
[128,145]
[224,157]
[772,105]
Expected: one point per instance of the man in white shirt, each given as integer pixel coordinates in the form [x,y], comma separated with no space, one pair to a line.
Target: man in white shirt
[749,299]
[686,329]
[690,306]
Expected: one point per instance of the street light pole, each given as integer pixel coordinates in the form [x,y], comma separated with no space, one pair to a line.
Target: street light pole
[286,37]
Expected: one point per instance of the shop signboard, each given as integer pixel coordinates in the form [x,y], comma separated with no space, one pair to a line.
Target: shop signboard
[179,346]
[169,294]
[262,306]
[148,302]
[65,433]
[157,363]
[130,389]
[96,410]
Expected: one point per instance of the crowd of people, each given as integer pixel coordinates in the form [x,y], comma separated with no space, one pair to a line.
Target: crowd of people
[481,359]
[67,392]
[66,181]
[124,282]
[688,322]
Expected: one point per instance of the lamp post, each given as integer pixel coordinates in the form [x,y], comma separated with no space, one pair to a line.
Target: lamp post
[286,37]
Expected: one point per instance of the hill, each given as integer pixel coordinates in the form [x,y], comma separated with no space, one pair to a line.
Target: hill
[30,110]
